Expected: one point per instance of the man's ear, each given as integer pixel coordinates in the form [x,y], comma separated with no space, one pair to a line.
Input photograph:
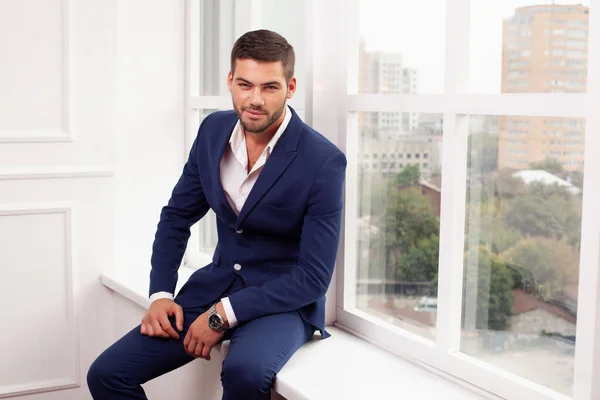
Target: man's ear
[291,88]
[230,80]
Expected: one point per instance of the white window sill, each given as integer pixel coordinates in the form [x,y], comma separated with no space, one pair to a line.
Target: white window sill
[340,367]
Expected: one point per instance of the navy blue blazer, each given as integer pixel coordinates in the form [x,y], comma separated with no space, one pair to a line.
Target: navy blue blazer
[285,237]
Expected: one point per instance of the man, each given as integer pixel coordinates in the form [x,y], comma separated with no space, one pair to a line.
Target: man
[275,185]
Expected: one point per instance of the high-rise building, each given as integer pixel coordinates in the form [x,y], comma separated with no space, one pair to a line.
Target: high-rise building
[384,73]
[544,51]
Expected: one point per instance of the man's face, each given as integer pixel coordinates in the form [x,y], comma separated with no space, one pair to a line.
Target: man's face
[259,92]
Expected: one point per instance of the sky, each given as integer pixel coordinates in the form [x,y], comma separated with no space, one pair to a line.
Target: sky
[417,30]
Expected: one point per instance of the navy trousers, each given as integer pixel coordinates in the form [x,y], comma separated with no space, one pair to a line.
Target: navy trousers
[257,352]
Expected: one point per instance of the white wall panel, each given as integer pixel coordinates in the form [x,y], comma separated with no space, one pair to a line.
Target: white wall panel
[33,78]
[40,346]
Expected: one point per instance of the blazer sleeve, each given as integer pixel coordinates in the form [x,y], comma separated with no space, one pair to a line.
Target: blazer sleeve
[186,206]
[319,240]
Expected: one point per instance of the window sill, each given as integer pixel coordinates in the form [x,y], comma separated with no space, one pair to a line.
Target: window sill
[332,368]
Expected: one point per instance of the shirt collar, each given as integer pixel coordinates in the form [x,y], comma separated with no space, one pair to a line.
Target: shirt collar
[238,139]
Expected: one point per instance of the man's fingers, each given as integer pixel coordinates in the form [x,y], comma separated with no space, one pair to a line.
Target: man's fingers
[158,331]
[206,352]
[143,329]
[166,325]
[191,347]
[199,350]
[179,317]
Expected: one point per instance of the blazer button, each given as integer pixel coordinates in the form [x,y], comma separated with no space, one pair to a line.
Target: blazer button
[239,231]
[237,267]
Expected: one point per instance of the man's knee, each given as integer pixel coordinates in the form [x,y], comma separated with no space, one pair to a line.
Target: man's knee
[246,376]
[98,375]
[101,376]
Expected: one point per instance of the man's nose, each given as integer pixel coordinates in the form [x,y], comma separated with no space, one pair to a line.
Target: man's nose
[256,99]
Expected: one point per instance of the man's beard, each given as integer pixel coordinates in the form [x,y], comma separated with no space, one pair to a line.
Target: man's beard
[256,126]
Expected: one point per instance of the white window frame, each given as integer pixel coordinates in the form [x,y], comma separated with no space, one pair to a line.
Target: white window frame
[332,73]
[443,356]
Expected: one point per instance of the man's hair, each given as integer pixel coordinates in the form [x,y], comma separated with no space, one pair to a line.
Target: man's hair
[264,45]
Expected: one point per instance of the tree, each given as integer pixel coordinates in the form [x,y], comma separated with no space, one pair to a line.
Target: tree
[543,190]
[536,216]
[508,186]
[535,256]
[420,262]
[503,237]
[491,291]
[576,178]
[549,164]
[409,176]
[408,218]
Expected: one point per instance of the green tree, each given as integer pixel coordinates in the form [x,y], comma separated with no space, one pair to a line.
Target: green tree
[536,257]
[492,292]
[537,216]
[407,219]
[420,262]
[542,190]
[507,186]
[503,238]
[549,164]
[409,176]
[576,178]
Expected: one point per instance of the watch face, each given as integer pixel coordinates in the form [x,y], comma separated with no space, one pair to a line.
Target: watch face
[214,321]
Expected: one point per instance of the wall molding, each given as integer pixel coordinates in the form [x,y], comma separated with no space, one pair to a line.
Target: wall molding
[56,172]
[51,135]
[72,381]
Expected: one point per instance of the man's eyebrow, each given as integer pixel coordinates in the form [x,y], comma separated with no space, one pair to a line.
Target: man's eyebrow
[264,84]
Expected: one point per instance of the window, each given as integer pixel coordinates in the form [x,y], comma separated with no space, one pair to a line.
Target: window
[576,33]
[576,44]
[504,292]
[482,282]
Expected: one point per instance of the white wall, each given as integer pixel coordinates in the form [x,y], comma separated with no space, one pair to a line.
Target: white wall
[150,136]
[57,160]
[91,143]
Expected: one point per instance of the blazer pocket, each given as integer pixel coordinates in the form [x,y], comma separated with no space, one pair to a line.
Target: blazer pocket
[285,209]
[281,220]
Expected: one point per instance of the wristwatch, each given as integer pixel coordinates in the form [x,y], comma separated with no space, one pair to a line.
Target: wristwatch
[215,321]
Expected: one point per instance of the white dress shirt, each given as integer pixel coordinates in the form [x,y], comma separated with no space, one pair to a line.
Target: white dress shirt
[237,183]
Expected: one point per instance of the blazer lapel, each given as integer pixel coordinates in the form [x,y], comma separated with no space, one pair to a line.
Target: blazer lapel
[222,143]
[282,156]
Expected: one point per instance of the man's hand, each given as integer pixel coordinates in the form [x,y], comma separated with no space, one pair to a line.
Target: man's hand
[156,321]
[200,339]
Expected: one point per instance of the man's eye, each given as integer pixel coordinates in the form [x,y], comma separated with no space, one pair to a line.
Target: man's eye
[271,87]
[245,85]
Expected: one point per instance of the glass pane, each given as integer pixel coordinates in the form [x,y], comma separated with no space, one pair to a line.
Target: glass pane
[390,59]
[523,227]
[212,37]
[398,213]
[524,46]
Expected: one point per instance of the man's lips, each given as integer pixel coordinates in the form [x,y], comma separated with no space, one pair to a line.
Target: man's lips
[254,113]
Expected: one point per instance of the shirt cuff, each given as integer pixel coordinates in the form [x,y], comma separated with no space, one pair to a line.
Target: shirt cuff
[231,319]
[161,295]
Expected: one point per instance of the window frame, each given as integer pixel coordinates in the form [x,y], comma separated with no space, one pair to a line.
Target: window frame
[331,106]
[443,356]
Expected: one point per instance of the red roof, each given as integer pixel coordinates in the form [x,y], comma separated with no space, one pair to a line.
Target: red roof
[523,302]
